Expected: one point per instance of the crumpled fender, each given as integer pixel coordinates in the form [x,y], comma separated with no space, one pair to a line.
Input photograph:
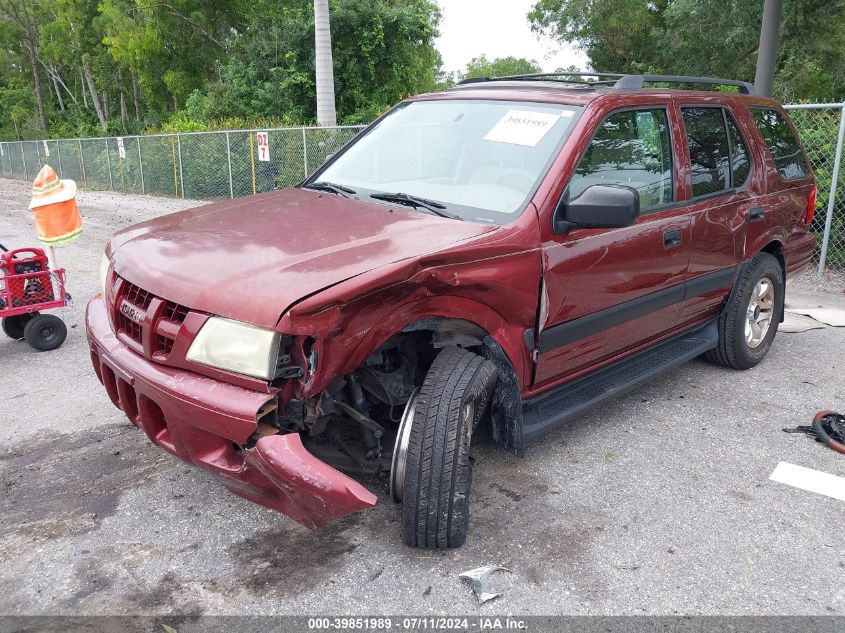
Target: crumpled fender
[304,488]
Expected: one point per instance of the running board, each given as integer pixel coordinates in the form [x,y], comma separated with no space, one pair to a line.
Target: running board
[572,399]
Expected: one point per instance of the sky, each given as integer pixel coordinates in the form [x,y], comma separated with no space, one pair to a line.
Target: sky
[497,28]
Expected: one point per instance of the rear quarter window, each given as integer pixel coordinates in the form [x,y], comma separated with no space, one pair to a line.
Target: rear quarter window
[782,143]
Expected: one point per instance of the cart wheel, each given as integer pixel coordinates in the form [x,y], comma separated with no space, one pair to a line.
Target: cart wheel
[14,327]
[45,332]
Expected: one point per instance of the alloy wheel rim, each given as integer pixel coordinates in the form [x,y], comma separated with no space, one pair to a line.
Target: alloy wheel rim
[760,312]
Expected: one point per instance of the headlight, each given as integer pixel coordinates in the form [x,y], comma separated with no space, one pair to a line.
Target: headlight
[238,347]
[104,272]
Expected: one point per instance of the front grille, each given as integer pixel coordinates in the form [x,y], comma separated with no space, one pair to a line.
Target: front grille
[127,326]
[164,344]
[138,297]
[165,326]
[174,313]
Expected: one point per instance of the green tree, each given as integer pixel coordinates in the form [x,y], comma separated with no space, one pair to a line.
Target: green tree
[705,37]
[383,50]
[122,66]
[500,67]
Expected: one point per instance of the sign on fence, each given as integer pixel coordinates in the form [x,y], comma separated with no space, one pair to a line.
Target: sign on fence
[120,148]
[46,149]
[263,146]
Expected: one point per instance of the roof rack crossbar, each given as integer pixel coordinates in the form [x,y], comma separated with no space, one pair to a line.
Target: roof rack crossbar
[635,82]
[619,81]
[559,76]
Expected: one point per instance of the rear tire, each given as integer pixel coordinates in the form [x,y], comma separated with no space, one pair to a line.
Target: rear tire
[45,332]
[438,473]
[758,299]
[14,327]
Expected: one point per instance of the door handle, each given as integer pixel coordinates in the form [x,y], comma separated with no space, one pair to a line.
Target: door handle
[671,238]
[756,213]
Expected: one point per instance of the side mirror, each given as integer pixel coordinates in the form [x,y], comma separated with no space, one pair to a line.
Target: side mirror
[598,207]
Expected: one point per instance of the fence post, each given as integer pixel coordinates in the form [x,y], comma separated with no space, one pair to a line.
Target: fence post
[229,162]
[252,161]
[108,161]
[38,156]
[81,162]
[181,176]
[25,168]
[834,181]
[140,164]
[304,154]
[59,154]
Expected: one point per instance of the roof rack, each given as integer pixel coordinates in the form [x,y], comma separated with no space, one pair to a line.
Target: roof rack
[635,82]
[562,77]
[618,81]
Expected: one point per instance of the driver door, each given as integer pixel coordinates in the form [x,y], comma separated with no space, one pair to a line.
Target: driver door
[610,291]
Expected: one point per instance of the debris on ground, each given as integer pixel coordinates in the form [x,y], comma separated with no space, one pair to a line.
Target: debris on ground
[794,323]
[828,427]
[478,581]
[828,316]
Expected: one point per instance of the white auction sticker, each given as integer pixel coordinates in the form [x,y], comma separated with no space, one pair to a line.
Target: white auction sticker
[523,127]
[121,150]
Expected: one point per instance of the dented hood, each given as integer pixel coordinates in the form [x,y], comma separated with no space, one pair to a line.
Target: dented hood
[250,259]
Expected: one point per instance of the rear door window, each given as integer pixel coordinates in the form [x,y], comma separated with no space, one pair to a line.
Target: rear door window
[782,143]
[709,150]
[740,161]
[629,148]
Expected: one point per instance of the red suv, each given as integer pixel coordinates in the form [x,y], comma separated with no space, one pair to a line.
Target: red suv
[509,252]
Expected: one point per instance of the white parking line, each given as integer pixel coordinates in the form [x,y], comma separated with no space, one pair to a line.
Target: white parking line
[810,480]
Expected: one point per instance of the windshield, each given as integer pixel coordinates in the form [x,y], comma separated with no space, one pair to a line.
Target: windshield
[480,160]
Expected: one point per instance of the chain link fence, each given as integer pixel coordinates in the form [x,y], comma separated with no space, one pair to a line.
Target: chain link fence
[822,127]
[202,165]
[228,164]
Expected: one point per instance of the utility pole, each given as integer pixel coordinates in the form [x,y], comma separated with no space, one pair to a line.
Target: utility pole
[768,51]
[326,113]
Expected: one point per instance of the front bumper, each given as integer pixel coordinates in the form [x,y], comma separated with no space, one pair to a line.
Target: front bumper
[206,422]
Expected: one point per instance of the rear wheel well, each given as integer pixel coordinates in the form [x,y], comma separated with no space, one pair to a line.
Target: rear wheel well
[775,249]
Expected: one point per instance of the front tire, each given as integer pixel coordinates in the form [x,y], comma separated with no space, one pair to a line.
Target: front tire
[748,324]
[438,469]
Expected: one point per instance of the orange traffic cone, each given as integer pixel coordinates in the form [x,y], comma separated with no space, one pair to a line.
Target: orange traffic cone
[57,219]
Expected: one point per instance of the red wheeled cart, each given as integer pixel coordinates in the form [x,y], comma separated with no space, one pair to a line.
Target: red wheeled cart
[27,287]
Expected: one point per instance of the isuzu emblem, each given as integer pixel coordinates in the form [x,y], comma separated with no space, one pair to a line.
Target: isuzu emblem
[131,312]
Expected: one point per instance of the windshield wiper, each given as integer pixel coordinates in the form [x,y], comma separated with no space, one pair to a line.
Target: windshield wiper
[331,187]
[418,203]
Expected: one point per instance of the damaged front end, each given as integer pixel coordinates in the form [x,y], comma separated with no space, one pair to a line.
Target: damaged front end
[353,423]
[225,429]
